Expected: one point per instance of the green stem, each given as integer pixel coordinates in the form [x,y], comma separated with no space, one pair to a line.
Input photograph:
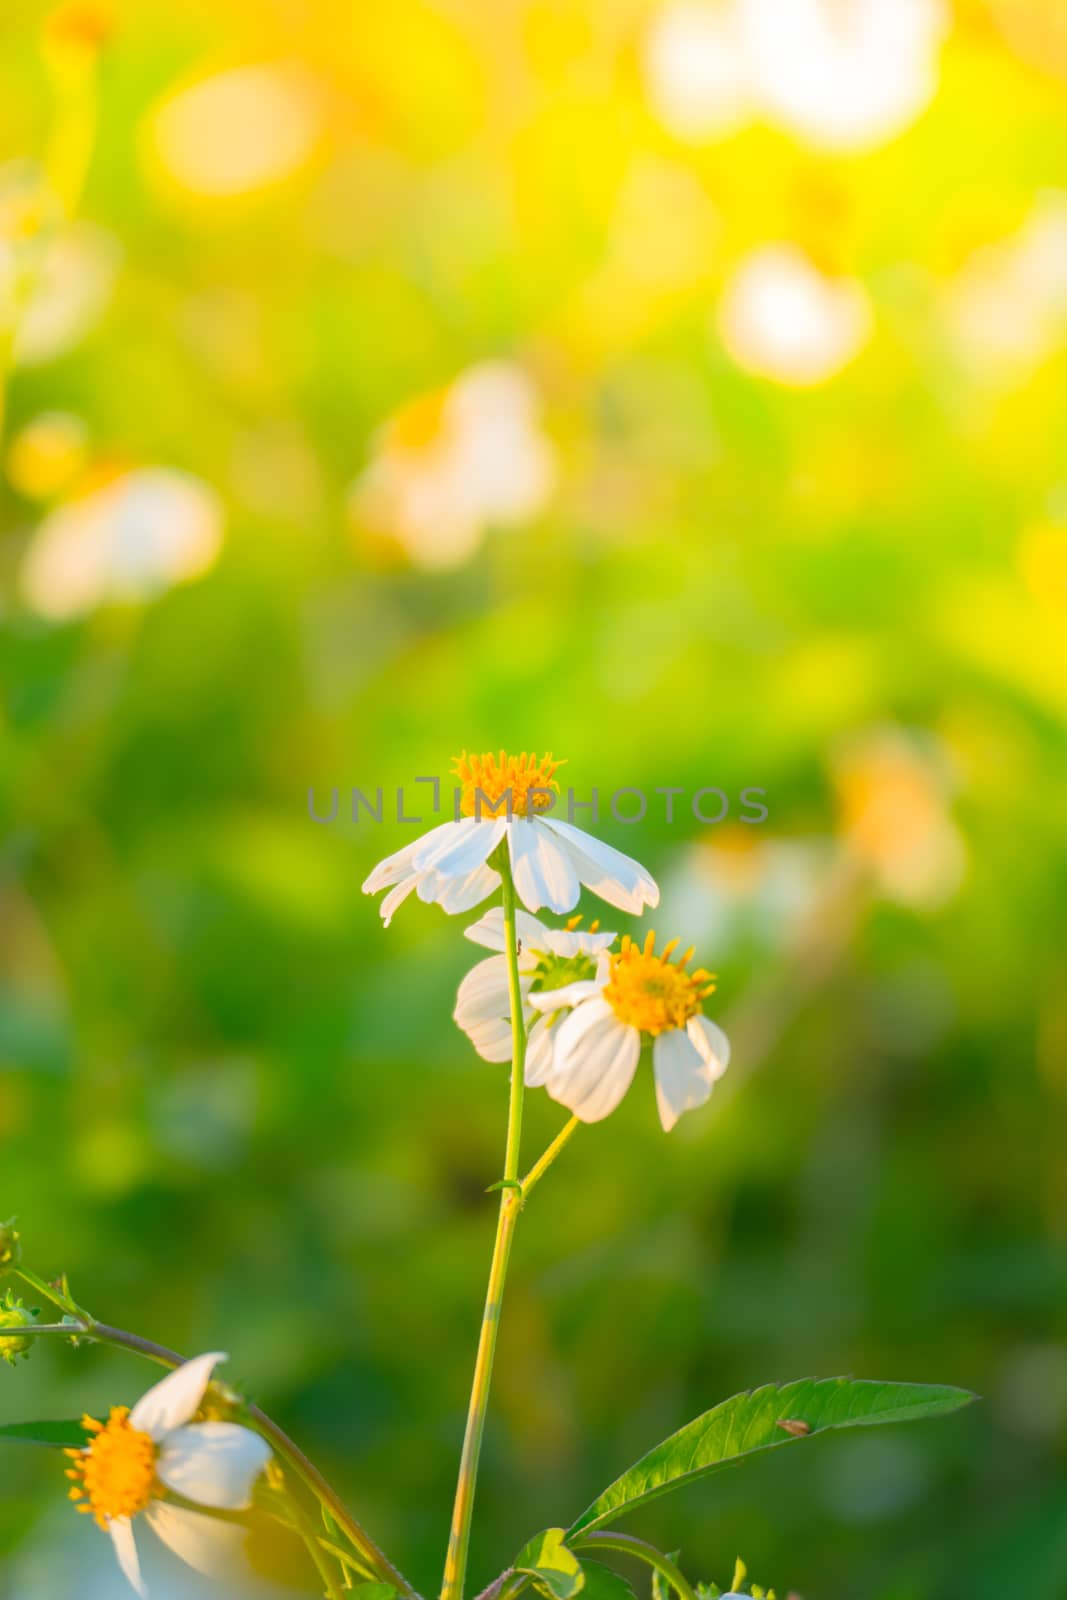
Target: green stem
[626,1544]
[311,1539]
[508,1215]
[540,1167]
[286,1449]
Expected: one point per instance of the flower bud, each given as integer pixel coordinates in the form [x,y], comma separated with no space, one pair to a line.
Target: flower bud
[10,1247]
[13,1314]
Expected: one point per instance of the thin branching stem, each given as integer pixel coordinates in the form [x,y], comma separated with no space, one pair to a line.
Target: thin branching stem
[541,1166]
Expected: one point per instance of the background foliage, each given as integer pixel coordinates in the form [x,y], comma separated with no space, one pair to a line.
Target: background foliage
[236,1111]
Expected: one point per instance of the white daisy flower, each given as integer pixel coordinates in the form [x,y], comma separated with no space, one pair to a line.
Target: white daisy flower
[451,465]
[634,993]
[784,319]
[550,860]
[550,959]
[132,1460]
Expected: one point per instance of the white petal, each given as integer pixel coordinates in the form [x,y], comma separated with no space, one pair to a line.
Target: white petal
[454,895]
[489,931]
[396,897]
[121,1531]
[492,1040]
[571,994]
[540,1053]
[400,863]
[683,1078]
[173,1401]
[543,874]
[483,993]
[596,1057]
[618,879]
[569,942]
[460,847]
[213,1463]
[712,1043]
[203,1543]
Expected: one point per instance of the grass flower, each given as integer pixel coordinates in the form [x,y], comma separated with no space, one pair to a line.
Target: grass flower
[636,994]
[550,960]
[135,1457]
[505,799]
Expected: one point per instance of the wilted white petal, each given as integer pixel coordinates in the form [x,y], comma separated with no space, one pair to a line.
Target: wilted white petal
[214,1463]
[172,1401]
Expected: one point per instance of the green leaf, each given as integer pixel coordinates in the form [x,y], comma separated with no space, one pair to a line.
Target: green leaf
[751,1422]
[603,1584]
[374,1591]
[555,1569]
[58,1435]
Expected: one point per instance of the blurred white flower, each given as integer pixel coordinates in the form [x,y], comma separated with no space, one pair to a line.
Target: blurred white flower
[129,1459]
[129,539]
[549,960]
[237,131]
[894,792]
[697,68]
[69,291]
[740,886]
[784,319]
[56,276]
[839,74]
[1007,307]
[451,465]
[845,74]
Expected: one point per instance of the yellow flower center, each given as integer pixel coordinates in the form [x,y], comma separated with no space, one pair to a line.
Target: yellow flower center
[115,1474]
[487,781]
[652,992]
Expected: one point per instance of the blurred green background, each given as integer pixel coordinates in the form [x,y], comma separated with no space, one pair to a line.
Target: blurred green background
[677,387]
